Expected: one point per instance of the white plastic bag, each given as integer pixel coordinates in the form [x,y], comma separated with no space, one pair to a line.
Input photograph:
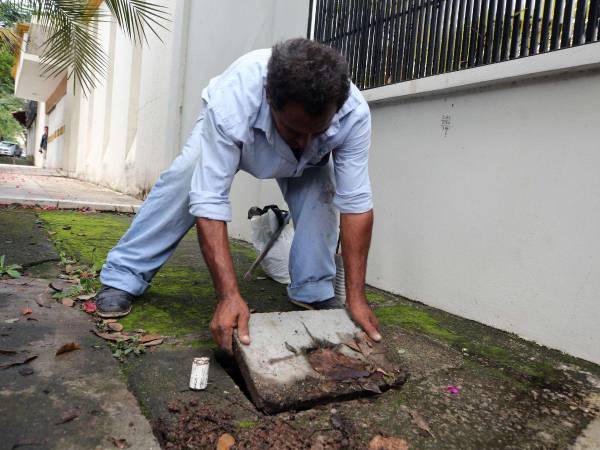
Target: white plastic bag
[276,262]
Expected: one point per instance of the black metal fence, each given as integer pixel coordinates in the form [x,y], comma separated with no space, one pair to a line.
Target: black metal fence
[389,41]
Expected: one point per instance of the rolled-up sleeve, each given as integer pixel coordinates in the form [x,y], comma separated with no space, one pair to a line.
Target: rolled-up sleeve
[351,165]
[214,172]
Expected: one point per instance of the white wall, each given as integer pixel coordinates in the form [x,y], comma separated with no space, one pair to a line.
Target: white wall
[55,120]
[496,218]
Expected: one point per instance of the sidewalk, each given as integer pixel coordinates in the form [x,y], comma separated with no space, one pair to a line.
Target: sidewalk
[32,186]
[470,386]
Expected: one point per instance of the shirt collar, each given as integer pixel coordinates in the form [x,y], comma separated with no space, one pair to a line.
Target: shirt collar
[263,120]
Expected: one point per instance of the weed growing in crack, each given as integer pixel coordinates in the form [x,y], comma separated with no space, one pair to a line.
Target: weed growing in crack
[12,270]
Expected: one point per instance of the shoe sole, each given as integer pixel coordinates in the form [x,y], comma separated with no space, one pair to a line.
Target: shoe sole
[113,314]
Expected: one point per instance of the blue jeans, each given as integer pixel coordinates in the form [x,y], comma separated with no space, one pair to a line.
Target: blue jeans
[164,219]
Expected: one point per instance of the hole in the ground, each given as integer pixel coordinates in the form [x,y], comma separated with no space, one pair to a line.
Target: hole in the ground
[229,364]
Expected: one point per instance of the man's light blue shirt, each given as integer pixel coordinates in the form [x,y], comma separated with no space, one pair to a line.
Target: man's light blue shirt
[238,134]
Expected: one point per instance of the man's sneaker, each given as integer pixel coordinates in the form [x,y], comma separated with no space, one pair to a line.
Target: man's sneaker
[332,303]
[112,302]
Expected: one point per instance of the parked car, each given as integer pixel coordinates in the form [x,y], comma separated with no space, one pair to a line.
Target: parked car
[10,149]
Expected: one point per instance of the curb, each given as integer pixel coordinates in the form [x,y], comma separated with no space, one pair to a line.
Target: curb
[31,170]
[69,204]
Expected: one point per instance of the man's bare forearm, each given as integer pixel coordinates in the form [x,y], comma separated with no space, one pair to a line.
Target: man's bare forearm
[214,243]
[356,232]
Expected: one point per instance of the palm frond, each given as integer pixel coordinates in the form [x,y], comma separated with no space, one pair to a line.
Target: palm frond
[135,16]
[73,44]
[9,41]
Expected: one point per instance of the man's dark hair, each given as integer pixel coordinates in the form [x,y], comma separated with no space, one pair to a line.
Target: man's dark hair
[309,73]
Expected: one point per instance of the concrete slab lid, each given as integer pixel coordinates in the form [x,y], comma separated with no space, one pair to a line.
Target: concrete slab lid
[278,365]
[274,335]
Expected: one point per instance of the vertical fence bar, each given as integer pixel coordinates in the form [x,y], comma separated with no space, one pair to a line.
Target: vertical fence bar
[566,32]
[481,32]
[369,42]
[489,32]
[578,29]
[526,28]
[535,26]
[410,25]
[506,31]
[396,47]
[458,35]
[451,36]
[467,34]
[323,19]
[424,42]
[554,39]
[498,26]
[361,57]
[442,5]
[433,29]
[310,17]
[404,32]
[318,17]
[474,39]
[356,36]
[516,30]
[387,27]
[545,26]
[445,36]
[420,38]
[335,36]
[377,50]
[414,34]
[345,28]
[592,24]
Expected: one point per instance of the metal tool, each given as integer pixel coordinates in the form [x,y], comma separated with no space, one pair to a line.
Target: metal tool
[283,217]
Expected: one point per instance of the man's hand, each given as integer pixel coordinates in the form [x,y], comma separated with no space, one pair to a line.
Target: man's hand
[362,314]
[231,313]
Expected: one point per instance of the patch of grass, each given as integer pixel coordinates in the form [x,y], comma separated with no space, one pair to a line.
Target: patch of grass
[247,424]
[413,318]
[375,297]
[85,237]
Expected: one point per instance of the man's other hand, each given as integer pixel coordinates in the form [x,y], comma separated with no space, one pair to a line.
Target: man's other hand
[231,313]
[363,315]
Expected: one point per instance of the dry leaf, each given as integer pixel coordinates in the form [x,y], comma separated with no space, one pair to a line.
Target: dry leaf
[23,360]
[115,326]
[107,321]
[225,442]
[421,422]
[71,346]
[55,289]
[7,352]
[15,320]
[387,443]
[119,443]
[43,300]
[86,296]
[67,418]
[26,311]
[68,268]
[336,366]
[153,343]
[115,337]
[149,337]
[351,343]
[68,301]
